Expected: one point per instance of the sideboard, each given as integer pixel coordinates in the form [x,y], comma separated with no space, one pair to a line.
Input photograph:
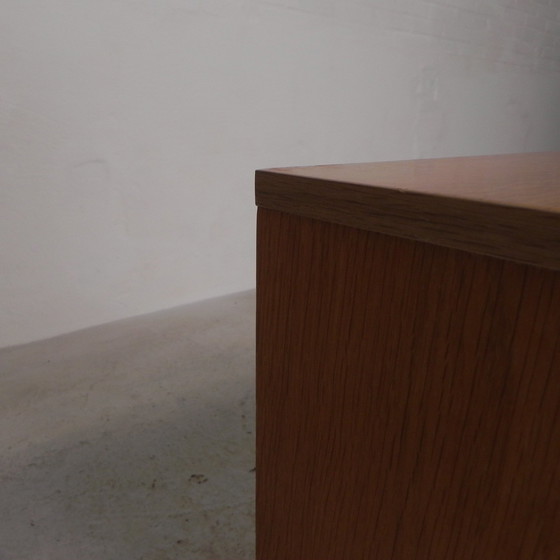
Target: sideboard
[408,360]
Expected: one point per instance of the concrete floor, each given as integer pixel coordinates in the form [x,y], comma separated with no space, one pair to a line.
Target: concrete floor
[132,440]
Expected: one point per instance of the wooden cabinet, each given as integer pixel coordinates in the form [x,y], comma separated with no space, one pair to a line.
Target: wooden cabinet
[408,360]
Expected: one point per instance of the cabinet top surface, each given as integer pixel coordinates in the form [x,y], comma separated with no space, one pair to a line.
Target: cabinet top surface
[523,180]
[473,203]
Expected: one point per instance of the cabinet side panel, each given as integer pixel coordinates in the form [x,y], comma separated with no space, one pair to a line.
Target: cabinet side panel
[408,399]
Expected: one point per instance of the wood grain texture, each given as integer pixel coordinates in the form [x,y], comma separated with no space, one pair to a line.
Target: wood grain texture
[408,399]
[503,206]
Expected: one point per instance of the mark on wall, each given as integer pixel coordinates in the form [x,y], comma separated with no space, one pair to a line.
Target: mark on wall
[430,120]
[92,173]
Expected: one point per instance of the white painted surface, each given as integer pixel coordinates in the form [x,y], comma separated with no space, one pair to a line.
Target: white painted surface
[130,129]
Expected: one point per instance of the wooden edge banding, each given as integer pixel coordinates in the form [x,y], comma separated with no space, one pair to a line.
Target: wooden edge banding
[526,235]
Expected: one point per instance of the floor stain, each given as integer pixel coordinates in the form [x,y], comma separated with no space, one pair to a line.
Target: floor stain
[198,478]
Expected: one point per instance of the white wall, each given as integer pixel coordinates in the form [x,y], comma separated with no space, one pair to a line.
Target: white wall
[130,129]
